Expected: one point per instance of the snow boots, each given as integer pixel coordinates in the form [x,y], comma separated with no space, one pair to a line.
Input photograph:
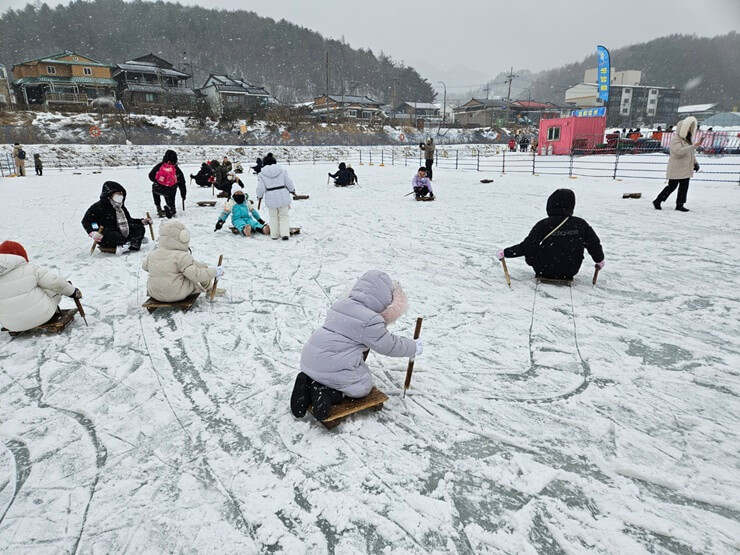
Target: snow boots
[301,397]
[323,398]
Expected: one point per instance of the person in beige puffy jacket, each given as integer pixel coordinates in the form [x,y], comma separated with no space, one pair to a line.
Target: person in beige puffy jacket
[681,163]
[173,273]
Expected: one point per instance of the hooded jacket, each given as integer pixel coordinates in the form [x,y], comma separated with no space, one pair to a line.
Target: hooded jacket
[26,293]
[173,273]
[171,157]
[203,177]
[428,149]
[559,255]
[103,213]
[16,148]
[333,354]
[682,152]
[342,175]
[275,186]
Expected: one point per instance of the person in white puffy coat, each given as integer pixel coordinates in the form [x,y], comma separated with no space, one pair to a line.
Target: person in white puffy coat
[29,295]
[276,187]
[173,273]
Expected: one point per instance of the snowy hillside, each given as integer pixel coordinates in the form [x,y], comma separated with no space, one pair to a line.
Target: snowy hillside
[540,419]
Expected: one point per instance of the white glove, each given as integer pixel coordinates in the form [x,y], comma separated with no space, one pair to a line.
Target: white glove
[500,254]
[419,347]
[219,272]
[146,221]
[95,236]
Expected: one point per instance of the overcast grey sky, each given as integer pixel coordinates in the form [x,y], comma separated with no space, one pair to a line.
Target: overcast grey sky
[484,37]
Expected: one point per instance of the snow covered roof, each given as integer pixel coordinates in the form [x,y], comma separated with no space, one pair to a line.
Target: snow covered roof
[723,119]
[354,99]
[148,67]
[224,83]
[692,108]
[421,105]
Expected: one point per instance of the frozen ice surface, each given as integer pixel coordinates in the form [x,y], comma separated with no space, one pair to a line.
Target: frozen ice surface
[541,419]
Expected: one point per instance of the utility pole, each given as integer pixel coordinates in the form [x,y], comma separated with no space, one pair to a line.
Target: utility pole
[488,89]
[444,103]
[326,99]
[395,96]
[509,80]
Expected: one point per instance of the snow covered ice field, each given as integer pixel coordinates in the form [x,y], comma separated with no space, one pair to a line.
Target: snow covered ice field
[541,419]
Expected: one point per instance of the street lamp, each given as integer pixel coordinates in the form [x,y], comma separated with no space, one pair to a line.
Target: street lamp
[444,103]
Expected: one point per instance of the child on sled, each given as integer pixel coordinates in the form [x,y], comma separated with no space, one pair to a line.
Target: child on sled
[422,185]
[332,363]
[244,216]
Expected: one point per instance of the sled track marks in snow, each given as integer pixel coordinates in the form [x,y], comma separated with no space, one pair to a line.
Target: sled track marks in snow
[22,459]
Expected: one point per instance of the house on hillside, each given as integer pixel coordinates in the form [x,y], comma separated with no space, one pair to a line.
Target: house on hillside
[417,110]
[530,112]
[150,84]
[229,98]
[361,108]
[5,97]
[65,80]
[699,111]
[481,112]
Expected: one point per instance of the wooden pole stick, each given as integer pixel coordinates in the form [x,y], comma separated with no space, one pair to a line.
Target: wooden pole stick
[92,249]
[259,203]
[80,309]
[151,229]
[596,274]
[183,205]
[411,193]
[410,369]
[215,280]
[506,272]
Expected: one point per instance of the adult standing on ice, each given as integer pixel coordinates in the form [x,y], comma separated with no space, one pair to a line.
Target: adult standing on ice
[119,229]
[19,158]
[554,246]
[29,294]
[681,164]
[166,178]
[275,186]
[428,149]
[332,363]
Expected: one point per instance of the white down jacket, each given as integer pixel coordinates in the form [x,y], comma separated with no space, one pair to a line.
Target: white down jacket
[333,354]
[29,295]
[173,273]
[275,186]
[682,152]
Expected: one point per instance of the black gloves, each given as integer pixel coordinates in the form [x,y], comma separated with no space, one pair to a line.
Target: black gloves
[76,295]
[219,225]
[696,166]
[261,221]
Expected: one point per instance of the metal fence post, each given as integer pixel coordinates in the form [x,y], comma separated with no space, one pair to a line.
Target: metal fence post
[570,166]
[382,157]
[616,162]
[478,162]
[503,163]
[393,156]
[457,153]
[361,157]
[371,158]
[533,162]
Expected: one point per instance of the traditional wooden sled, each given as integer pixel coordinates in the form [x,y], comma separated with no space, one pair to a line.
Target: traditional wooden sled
[551,281]
[293,230]
[425,199]
[631,195]
[206,203]
[301,197]
[57,323]
[486,180]
[107,250]
[186,304]
[374,400]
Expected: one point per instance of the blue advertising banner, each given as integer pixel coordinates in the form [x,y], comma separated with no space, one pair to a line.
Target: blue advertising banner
[603,73]
[589,112]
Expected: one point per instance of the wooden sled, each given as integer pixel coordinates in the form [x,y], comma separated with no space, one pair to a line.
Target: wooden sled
[295,230]
[425,199]
[186,304]
[206,203]
[301,197]
[57,323]
[486,180]
[107,250]
[550,281]
[374,400]
[631,195]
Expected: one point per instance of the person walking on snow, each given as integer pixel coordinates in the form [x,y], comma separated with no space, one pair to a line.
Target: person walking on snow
[244,216]
[166,178]
[681,164]
[19,158]
[173,272]
[119,229]
[275,186]
[332,363]
[29,294]
[554,246]
[428,149]
[38,164]
[421,184]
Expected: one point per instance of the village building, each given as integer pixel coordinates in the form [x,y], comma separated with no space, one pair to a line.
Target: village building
[151,85]
[417,110]
[700,111]
[6,100]
[65,80]
[230,98]
[481,112]
[361,108]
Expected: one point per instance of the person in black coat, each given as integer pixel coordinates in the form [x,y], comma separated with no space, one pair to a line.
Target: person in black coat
[203,177]
[554,247]
[110,214]
[257,168]
[342,177]
[168,192]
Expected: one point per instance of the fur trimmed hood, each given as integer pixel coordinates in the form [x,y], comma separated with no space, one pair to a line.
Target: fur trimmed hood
[689,124]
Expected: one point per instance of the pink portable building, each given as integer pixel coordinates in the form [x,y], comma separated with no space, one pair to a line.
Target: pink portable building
[563,135]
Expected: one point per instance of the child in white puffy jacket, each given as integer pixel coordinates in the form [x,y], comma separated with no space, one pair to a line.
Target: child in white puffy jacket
[29,295]
[276,187]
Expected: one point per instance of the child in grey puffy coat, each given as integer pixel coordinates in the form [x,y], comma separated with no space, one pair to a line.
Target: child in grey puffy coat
[332,363]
